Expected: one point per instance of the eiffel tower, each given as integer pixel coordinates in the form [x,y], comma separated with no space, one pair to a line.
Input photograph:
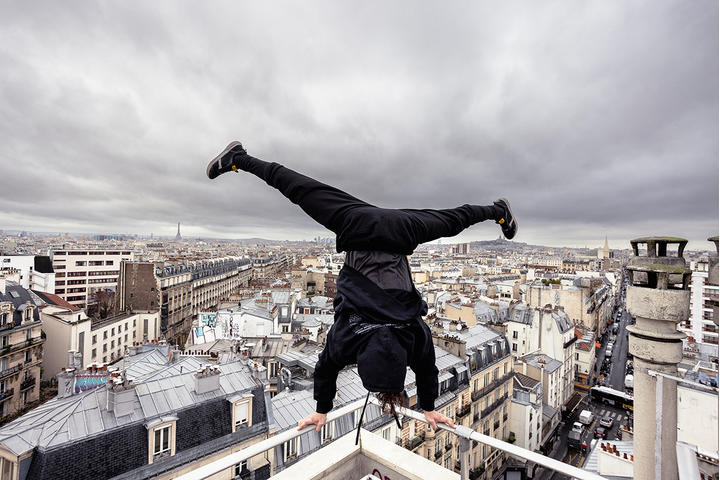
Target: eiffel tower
[178,236]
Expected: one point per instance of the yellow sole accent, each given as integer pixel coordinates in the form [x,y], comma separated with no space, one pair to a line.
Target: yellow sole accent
[234,168]
[501,221]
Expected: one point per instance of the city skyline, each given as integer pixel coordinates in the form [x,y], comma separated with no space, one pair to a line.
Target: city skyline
[594,120]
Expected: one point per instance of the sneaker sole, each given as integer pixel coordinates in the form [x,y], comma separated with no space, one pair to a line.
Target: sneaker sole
[217,158]
[507,203]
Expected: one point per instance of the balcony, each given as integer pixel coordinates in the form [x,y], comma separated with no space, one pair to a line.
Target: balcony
[493,406]
[373,452]
[27,383]
[6,394]
[9,371]
[461,412]
[448,446]
[415,441]
[438,454]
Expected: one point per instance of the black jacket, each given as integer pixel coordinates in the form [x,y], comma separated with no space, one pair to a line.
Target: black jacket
[362,311]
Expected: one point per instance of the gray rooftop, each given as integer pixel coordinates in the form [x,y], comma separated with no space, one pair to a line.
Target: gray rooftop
[535,359]
[160,390]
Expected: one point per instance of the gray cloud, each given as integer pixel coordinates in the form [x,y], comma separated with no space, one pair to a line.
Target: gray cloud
[593,118]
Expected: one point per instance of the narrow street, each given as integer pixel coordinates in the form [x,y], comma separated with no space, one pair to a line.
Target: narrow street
[614,375]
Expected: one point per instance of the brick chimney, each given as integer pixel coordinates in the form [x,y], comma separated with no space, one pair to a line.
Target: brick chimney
[659,298]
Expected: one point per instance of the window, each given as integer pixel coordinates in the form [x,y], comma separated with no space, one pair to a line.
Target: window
[514,347]
[4,342]
[104,347]
[126,326]
[290,449]
[162,440]
[105,335]
[242,412]
[326,433]
[94,353]
[112,343]
[112,332]
[7,468]
[241,469]
[28,359]
[104,359]
[94,339]
[386,433]
[515,335]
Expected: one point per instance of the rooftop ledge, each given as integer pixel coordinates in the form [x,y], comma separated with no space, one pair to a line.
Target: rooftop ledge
[344,460]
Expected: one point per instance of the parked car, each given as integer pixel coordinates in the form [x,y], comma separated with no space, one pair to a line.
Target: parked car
[577,426]
[606,422]
[586,417]
[629,381]
[600,432]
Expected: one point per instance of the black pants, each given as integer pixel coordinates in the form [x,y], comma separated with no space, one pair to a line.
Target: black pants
[359,225]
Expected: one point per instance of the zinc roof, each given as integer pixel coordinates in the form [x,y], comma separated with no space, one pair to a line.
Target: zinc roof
[158,391]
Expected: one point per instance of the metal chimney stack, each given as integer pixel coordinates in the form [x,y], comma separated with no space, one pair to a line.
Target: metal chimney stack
[659,299]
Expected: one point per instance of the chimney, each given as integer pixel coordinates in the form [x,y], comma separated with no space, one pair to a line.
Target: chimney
[207,379]
[77,361]
[120,394]
[71,359]
[659,297]
[66,382]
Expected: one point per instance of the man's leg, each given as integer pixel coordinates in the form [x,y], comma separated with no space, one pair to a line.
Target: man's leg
[327,205]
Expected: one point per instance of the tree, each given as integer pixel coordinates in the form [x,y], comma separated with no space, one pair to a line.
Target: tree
[103,305]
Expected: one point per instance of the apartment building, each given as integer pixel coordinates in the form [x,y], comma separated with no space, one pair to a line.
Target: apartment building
[35,272]
[526,412]
[547,330]
[21,348]
[80,273]
[266,269]
[161,416]
[585,354]
[181,290]
[549,373]
[95,340]
[703,297]
[475,391]
[589,301]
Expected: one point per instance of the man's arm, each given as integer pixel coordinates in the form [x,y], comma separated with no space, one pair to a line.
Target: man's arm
[326,373]
[426,373]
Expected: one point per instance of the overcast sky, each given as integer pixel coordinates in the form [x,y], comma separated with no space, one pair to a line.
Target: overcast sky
[593,118]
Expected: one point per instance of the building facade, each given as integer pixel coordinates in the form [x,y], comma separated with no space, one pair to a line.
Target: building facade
[21,348]
[35,271]
[179,290]
[102,341]
[79,274]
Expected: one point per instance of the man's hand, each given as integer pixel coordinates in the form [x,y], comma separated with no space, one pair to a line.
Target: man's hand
[313,419]
[434,417]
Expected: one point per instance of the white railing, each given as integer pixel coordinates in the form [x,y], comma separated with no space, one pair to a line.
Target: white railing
[464,433]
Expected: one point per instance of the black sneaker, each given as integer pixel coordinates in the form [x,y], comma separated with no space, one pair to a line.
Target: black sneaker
[507,221]
[226,161]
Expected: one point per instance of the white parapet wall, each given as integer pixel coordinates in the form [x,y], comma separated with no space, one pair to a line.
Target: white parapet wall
[372,456]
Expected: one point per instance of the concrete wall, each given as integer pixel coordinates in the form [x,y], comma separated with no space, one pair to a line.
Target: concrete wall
[694,428]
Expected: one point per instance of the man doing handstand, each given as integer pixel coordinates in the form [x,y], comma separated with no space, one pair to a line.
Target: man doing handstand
[378,312]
